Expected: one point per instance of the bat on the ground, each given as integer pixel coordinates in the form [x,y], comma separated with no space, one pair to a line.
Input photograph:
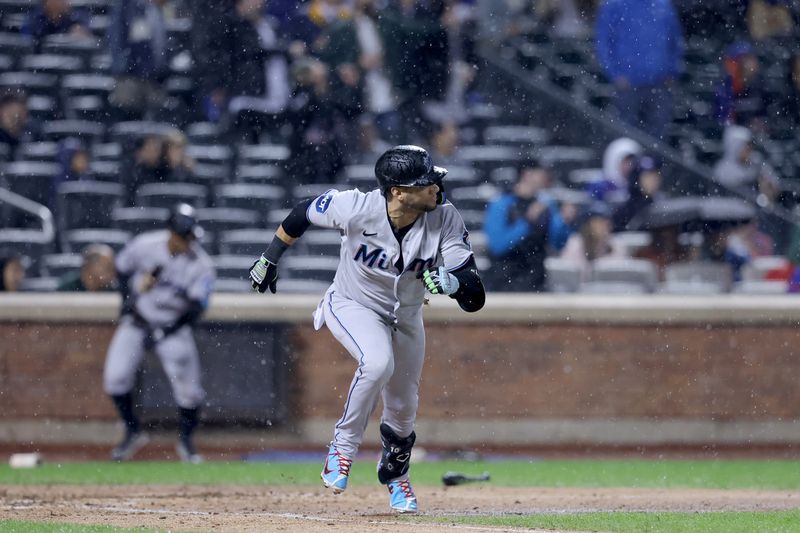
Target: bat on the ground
[457,478]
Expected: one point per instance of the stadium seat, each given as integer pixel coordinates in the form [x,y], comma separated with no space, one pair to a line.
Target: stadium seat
[326,243]
[303,286]
[235,285]
[752,286]
[218,219]
[31,179]
[47,284]
[264,174]
[472,198]
[564,159]
[360,177]
[60,65]
[473,218]
[87,85]
[42,108]
[626,270]
[125,132]
[87,204]
[104,171]
[485,158]
[56,265]
[683,275]
[70,45]
[562,275]
[77,239]
[517,136]
[15,44]
[204,133]
[106,152]
[38,151]
[138,220]
[259,198]
[762,268]
[88,132]
[232,266]
[311,190]
[210,154]
[29,83]
[612,287]
[251,241]
[27,242]
[309,267]
[260,154]
[632,241]
[168,194]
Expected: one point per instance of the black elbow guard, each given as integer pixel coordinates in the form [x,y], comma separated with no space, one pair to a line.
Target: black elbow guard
[471,295]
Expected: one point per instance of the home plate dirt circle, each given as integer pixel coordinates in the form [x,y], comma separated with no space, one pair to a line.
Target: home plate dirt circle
[232,508]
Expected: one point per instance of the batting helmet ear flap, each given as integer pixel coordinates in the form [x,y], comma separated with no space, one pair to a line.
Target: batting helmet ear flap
[439,173]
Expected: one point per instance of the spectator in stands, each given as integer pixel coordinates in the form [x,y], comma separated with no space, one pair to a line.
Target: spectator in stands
[359,50]
[767,19]
[137,39]
[146,167]
[717,246]
[752,241]
[317,126]
[644,190]
[96,274]
[791,102]
[619,160]
[177,165]
[13,122]
[444,145]
[53,17]
[592,240]
[244,71]
[567,18]
[640,48]
[12,272]
[73,158]
[740,97]
[370,145]
[743,169]
[518,228]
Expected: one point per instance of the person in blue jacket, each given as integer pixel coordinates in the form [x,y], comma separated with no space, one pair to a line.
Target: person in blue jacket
[521,225]
[640,49]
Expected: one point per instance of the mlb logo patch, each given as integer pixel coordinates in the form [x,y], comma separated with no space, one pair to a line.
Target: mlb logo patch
[324,202]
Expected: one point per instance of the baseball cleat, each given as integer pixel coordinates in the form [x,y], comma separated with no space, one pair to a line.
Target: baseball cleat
[401,496]
[187,453]
[132,443]
[336,470]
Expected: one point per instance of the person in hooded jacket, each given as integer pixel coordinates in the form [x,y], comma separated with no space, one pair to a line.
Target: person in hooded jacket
[743,169]
[740,98]
[619,160]
[644,190]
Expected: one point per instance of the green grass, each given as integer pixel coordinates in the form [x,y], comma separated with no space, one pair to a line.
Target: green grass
[619,522]
[573,473]
[24,526]
[724,474]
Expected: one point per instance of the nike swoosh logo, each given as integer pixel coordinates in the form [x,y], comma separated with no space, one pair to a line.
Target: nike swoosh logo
[326,470]
[365,234]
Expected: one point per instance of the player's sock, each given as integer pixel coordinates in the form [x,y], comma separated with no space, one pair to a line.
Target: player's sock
[187,423]
[124,403]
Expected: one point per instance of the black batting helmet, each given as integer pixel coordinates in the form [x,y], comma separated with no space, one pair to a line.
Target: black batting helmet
[183,221]
[407,166]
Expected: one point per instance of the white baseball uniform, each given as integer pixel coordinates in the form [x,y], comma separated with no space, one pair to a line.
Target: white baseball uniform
[374,306]
[183,278]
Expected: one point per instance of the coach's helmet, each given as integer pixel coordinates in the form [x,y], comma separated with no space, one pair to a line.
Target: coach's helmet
[183,221]
[408,166]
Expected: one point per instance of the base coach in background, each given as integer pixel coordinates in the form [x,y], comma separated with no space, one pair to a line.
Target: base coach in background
[165,279]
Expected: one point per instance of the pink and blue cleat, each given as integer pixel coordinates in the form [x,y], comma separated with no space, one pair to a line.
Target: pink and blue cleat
[401,496]
[336,470]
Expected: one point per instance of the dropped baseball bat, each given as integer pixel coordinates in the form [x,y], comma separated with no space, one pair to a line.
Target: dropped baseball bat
[451,479]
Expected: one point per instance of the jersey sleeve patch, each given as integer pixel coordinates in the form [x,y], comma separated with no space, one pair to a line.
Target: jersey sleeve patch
[324,201]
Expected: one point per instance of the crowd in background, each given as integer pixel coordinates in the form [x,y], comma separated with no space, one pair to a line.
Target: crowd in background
[328,79]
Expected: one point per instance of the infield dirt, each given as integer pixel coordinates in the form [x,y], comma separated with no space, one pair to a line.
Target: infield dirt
[360,509]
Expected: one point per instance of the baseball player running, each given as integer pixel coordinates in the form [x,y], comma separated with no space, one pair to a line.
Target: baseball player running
[397,241]
[166,279]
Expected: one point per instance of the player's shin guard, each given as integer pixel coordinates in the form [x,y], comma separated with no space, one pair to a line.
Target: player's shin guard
[394,461]
[124,404]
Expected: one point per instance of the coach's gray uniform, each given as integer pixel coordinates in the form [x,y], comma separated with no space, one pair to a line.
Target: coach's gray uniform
[183,278]
[374,311]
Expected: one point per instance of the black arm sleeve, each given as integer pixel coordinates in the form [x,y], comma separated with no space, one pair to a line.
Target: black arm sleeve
[296,223]
[470,294]
[189,317]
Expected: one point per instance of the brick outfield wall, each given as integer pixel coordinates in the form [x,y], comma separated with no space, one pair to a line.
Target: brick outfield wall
[721,373]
